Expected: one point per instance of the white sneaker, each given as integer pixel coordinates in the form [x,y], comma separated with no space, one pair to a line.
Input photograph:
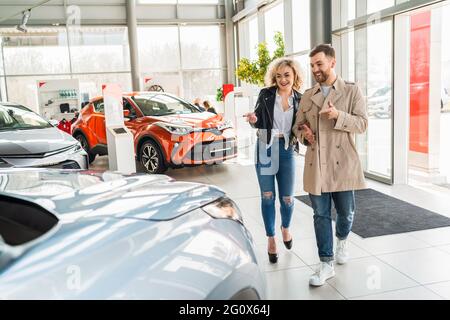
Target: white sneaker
[323,273]
[342,254]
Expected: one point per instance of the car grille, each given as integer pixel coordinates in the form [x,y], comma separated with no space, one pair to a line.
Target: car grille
[213,150]
[64,165]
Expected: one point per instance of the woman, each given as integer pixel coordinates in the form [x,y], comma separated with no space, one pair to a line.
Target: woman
[274,117]
[208,107]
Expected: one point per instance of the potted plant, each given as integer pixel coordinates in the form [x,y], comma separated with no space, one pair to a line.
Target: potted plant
[253,72]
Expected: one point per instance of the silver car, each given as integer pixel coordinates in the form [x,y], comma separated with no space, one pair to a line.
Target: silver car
[27,140]
[93,235]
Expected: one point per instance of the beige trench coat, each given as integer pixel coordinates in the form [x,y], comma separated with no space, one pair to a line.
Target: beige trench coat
[332,164]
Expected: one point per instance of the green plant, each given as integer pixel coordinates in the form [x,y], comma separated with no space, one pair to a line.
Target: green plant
[254,71]
[219,94]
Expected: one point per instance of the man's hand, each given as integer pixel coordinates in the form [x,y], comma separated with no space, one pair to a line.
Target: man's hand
[331,112]
[309,134]
[251,117]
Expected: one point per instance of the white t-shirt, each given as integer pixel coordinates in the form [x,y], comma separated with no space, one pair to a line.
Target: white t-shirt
[282,120]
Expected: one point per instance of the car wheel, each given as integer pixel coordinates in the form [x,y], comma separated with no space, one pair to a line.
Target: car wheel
[152,158]
[85,146]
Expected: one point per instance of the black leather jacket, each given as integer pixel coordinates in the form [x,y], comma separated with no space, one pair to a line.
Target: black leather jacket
[264,110]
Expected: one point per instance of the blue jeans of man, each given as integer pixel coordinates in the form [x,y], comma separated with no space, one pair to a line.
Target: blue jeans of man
[344,202]
[275,163]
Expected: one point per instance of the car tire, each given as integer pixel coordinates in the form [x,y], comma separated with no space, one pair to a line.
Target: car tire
[83,141]
[152,158]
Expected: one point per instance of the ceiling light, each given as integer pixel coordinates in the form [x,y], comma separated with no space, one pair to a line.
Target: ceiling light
[23,26]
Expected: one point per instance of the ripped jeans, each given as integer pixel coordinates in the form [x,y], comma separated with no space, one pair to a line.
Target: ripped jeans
[275,162]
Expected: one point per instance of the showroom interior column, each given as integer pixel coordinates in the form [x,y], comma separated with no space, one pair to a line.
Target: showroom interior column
[229,40]
[321,24]
[132,39]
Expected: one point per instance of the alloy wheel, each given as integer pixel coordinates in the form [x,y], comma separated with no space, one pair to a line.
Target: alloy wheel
[150,158]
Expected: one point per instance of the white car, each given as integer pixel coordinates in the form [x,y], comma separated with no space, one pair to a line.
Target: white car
[28,140]
[68,234]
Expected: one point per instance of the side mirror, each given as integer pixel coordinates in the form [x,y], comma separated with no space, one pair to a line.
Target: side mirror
[126,113]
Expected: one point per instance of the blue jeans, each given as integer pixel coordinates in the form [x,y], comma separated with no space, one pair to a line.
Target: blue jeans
[344,202]
[275,163]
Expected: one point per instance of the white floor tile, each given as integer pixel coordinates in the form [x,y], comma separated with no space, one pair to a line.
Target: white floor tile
[388,244]
[417,293]
[366,276]
[442,289]
[286,259]
[423,265]
[434,237]
[445,248]
[293,284]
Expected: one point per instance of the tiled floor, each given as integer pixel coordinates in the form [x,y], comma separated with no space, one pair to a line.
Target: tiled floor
[413,265]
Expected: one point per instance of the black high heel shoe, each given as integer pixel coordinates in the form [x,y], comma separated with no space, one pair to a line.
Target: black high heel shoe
[273,257]
[287,244]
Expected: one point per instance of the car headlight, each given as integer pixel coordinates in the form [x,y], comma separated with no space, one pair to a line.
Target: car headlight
[77,148]
[224,208]
[226,125]
[175,128]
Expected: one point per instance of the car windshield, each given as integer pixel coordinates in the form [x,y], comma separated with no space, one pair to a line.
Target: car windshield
[162,105]
[15,117]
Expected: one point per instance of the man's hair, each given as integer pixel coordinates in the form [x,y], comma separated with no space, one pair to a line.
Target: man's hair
[326,49]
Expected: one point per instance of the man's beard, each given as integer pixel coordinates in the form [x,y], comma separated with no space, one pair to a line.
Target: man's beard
[323,77]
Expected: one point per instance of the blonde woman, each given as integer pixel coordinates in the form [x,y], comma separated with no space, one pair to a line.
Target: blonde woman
[274,117]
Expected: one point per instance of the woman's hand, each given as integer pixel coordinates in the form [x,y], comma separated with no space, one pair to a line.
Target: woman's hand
[309,134]
[251,117]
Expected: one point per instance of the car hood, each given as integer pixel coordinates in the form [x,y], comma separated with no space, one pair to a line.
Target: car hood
[31,142]
[199,120]
[86,194]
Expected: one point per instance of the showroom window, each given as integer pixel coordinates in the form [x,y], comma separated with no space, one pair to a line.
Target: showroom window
[200,47]
[370,66]
[39,51]
[185,60]
[162,53]
[99,49]
[301,25]
[377,5]
[201,83]
[253,37]
[178,1]
[274,22]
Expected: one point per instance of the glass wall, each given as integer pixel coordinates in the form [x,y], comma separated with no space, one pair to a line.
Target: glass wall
[184,60]
[169,56]
[200,47]
[94,49]
[273,22]
[178,1]
[94,55]
[365,56]
[40,51]
[378,88]
[444,161]
[377,5]
[162,53]
[301,25]
[370,66]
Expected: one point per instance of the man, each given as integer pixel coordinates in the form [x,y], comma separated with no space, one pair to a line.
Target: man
[330,115]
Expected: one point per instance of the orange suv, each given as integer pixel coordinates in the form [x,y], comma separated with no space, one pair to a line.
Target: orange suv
[168,132]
